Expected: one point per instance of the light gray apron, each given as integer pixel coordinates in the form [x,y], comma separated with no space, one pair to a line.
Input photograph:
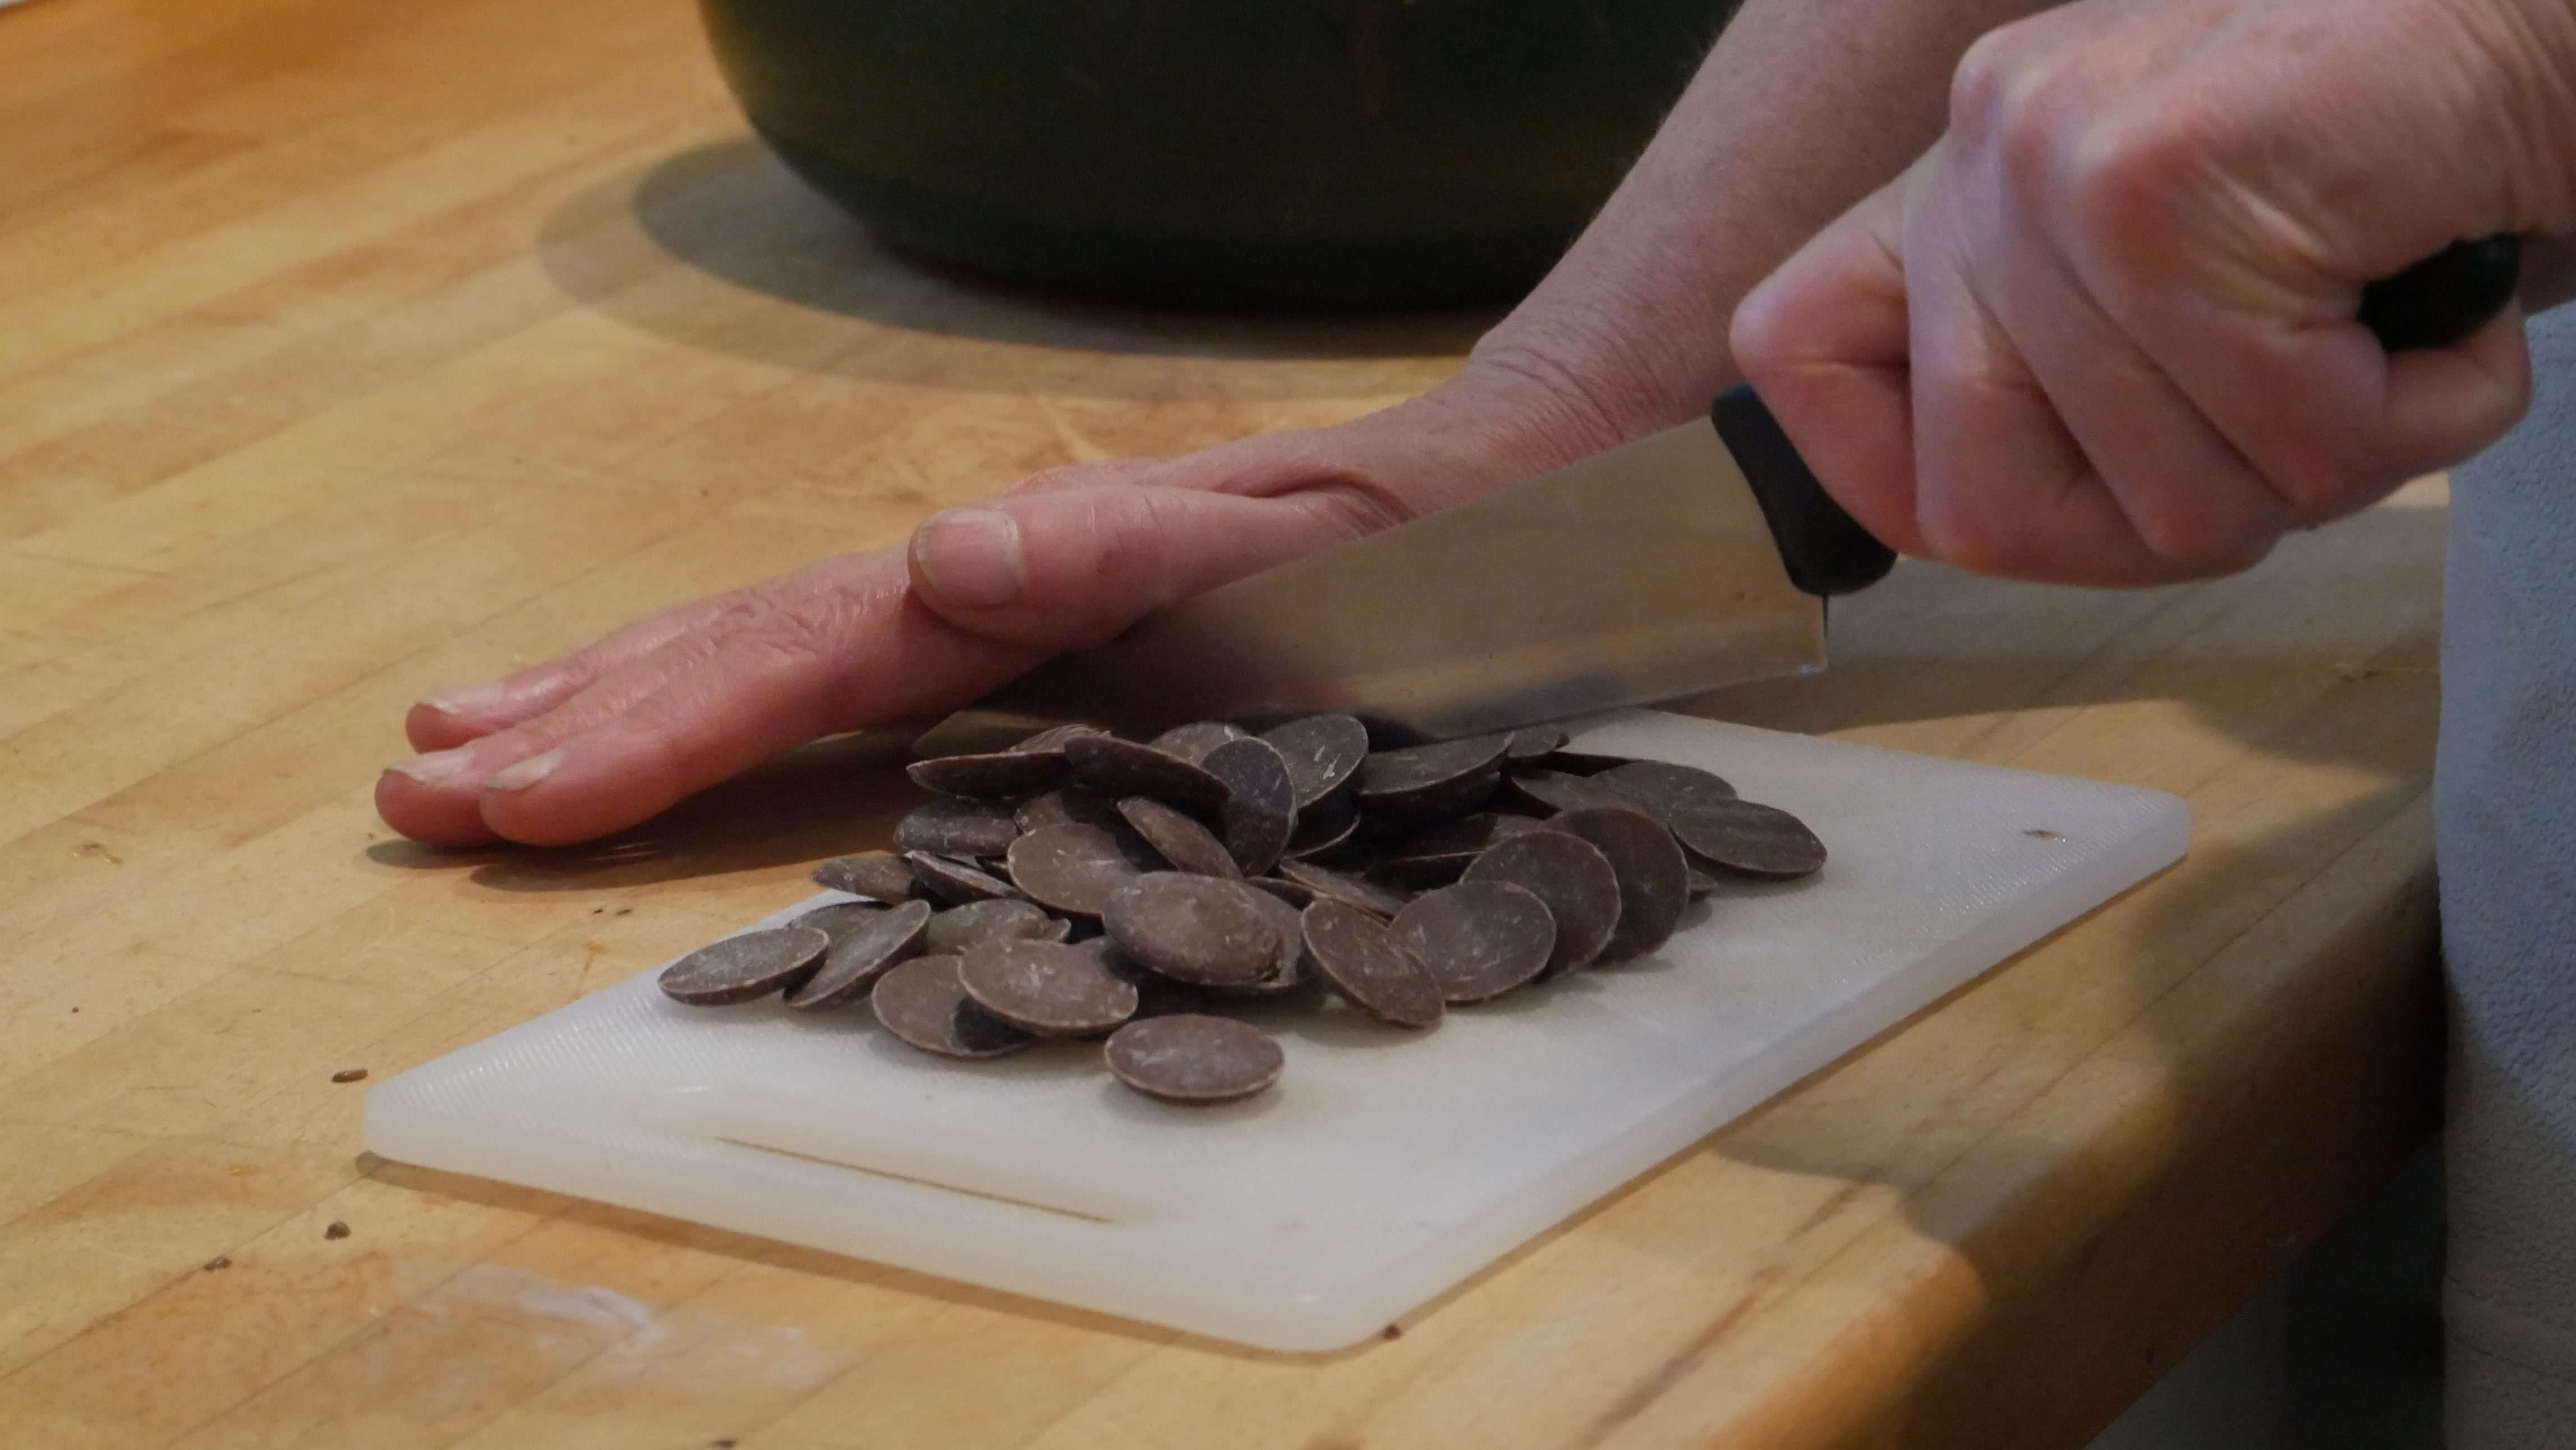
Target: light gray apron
[2505,792]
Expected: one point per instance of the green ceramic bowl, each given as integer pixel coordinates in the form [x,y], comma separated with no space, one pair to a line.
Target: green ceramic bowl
[1286,155]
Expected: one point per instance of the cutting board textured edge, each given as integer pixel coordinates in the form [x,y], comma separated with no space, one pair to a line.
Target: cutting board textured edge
[398,1127]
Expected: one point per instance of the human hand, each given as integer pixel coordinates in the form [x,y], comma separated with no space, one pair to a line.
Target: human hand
[619,729]
[2104,331]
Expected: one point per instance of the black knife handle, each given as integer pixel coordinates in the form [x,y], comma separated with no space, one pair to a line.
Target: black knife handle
[2434,303]
[1827,550]
[2445,297]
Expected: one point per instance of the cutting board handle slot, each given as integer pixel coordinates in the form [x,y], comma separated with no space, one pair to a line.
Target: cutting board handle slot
[750,1118]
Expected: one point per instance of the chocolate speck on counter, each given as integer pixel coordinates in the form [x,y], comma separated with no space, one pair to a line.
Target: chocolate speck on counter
[337,1230]
[350,1074]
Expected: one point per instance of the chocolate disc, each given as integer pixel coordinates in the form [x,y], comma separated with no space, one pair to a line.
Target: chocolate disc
[1702,882]
[960,927]
[1365,894]
[1120,768]
[1662,789]
[1072,868]
[1477,939]
[1323,827]
[1193,741]
[957,828]
[1002,775]
[1072,806]
[1193,1059]
[1185,843]
[1422,782]
[1550,791]
[1572,877]
[875,875]
[1260,811]
[1750,839]
[1054,738]
[1354,952]
[1291,892]
[1288,967]
[924,1004]
[957,882]
[1654,877]
[741,968]
[1322,751]
[1533,742]
[1581,762]
[1156,994]
[856,961]
[1047,988]
[1434,857]
[841,917]
[1194,928]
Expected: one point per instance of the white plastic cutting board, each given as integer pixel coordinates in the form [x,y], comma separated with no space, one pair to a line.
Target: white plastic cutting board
[1385,1166]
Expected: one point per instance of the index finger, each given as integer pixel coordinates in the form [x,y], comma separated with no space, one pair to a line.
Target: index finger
[1824,339]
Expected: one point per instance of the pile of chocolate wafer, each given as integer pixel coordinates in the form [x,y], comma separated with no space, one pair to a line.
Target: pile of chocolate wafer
[1083,885]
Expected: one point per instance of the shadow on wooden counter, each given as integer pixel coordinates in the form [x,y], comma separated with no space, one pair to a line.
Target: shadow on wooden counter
[2114,1140]
[729,211]
[831,798]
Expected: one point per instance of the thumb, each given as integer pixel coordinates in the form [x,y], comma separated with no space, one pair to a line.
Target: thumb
[1069,569]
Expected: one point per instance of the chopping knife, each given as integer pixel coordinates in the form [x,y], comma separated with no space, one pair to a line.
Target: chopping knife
[1699,557]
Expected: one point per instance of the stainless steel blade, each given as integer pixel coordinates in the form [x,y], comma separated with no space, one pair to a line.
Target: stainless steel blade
[1643,574]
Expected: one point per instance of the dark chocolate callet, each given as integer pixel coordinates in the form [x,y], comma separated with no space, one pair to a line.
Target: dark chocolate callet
[875,875]
[1572,877]
[1323,753]
[1192,1059]
[841,917]
[960,927]
[1183,842]
[1194,928]
[1341,886]
[1073,868]
[857,960]
[1047,988]
[742,968]
[1662,789]
[1357,956]
[1260,812]
[1193,741]
[1002,775]
[1750,839]
[957,882]
[1654,877]
[1121,768]
[923,1003]
[953,827]
[1477,939]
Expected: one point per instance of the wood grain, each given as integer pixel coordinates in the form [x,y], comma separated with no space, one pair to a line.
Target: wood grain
[351,351]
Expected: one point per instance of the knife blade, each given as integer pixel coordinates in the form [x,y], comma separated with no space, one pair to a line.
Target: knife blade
[1692,559]
[1696,558]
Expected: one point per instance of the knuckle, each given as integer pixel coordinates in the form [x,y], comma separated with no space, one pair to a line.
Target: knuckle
[2196,538]
[792,628]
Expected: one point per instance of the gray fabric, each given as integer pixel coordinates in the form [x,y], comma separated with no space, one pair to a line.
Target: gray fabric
[2506,805]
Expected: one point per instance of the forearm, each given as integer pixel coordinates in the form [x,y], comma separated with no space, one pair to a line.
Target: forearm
[1803,108]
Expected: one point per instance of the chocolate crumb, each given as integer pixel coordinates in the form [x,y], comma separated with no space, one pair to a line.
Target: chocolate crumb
[337,1230]
[350,1074]
[219,1261]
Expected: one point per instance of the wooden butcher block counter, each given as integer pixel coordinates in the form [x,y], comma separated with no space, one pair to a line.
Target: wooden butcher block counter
[348,351]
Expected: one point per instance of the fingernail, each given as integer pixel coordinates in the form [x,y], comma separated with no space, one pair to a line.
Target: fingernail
[438,767]
[527,772]
[469,700]
[971,558]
